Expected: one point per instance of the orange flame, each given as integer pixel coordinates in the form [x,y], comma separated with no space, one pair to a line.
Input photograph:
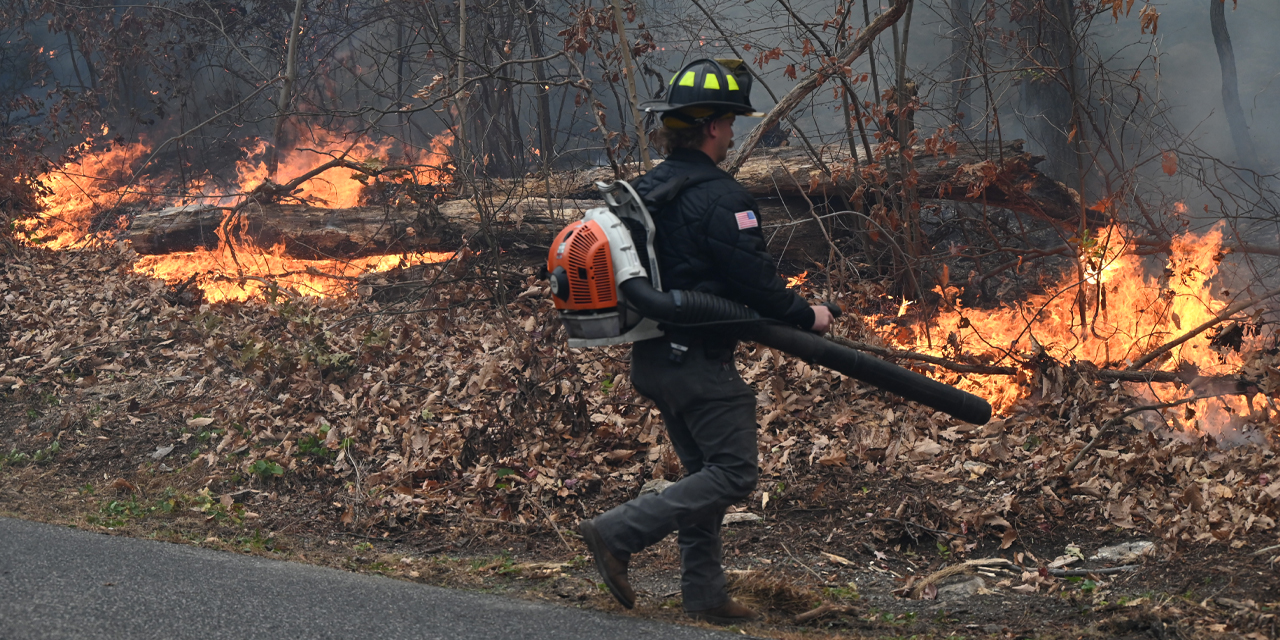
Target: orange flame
[79,191]
[795,282]
[1127,313]
[84,192]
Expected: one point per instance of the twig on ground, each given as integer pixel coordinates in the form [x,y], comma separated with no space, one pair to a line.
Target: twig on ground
[1112,423]
[352,534]
[1082,573]
[905,524]
[552,523]
[968,566]
[1274,547]
[825,609]
[806,567]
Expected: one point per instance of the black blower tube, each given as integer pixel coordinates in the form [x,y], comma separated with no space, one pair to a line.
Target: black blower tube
[695,307]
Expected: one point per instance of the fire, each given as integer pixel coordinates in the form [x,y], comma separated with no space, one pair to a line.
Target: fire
[1126,314]
[902,308]
[88,195]
[81,192]
[258,273]
[333,189]
[795,282]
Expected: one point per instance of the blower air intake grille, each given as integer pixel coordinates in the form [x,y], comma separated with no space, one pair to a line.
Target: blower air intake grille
[586,260]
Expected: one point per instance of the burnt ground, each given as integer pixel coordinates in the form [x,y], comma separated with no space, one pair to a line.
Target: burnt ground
[460,452]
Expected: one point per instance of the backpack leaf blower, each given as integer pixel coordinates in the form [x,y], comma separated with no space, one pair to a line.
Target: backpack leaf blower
[605,283]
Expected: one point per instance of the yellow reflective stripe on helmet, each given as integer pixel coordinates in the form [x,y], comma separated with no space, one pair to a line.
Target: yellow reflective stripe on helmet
[711,81]
[687,80]
[733,84]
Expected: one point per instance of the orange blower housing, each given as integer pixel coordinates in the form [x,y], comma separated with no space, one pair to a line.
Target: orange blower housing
[591,258]
[581,269]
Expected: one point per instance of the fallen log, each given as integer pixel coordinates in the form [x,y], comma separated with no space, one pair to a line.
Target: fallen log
[313,233]
[995,176]
[304,231]
[784,179]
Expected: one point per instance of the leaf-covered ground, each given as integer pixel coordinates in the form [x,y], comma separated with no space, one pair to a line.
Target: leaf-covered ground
[461,444]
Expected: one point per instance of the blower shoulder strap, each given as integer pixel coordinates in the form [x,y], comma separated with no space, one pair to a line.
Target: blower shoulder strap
[665,193]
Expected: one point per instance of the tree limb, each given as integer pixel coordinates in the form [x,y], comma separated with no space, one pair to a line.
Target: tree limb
[814,80]
[1112,423]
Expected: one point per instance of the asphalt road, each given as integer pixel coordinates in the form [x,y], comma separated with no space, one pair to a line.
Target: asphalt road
[64,583]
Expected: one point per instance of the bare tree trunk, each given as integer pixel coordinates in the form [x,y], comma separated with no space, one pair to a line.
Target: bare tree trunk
[546,137]
[630,67]
[961,41]
[461,96]
[286,91]
[871,59]
[1046,98]
[401,62]
[1230,85]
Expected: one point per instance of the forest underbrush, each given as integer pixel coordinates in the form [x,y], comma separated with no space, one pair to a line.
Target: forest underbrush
[449,437]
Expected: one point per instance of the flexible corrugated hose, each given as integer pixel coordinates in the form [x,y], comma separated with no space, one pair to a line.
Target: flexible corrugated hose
[695,308]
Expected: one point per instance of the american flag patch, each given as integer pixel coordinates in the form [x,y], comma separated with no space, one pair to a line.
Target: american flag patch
[746,220]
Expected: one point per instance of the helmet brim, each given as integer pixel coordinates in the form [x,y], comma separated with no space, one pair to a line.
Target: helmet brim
[659,106]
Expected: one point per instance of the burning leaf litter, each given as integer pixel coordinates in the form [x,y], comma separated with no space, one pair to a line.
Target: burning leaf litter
[88,200]
[473,411]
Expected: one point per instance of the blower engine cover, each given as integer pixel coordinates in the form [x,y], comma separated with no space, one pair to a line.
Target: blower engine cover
[582,269]
[588,260]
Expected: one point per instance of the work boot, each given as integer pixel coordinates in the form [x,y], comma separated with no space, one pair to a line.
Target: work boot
[613,570]
[731,612]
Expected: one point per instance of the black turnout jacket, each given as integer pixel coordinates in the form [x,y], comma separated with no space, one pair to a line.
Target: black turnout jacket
[705,242]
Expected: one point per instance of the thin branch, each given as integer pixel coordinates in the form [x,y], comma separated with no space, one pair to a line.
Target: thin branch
[941,362]
[814,80]
[1226,313]
[1083,573]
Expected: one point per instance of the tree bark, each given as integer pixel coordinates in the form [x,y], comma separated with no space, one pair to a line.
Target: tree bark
[1230,85]
[461,142]
[546,137]
[961,40]
[630,67]
[286,92]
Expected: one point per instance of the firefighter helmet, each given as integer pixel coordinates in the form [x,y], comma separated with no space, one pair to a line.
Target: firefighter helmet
[705,90]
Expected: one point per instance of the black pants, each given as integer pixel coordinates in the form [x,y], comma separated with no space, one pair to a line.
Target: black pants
[710,415]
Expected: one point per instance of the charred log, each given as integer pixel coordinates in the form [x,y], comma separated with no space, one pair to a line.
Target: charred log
[784,178]
[1005,177]
[312,233]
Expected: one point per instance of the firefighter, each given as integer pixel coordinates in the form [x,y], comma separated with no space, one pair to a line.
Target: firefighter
[708,238]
